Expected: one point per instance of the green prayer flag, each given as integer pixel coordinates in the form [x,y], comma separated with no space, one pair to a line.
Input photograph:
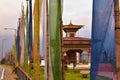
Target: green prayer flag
[55,21]
[26,42]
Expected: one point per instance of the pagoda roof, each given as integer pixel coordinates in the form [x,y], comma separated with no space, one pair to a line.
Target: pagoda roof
[76,39]
[71,26]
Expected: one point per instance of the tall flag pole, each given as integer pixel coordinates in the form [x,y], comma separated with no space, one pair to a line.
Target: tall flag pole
[26,42]
[117,34]
[46,41]
[17,45]
[62,48]
[30,41]
[48,67]
[45,38]
[103,61]
[22,35]
[36,60]
[18,42]
[55,20]
[30,35]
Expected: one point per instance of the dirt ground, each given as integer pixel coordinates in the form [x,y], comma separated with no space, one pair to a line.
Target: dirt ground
[9,74]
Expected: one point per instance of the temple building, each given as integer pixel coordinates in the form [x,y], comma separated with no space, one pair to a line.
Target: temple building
[73,46]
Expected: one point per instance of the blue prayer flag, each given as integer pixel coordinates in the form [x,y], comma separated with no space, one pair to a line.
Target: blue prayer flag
[18,42]
[30,29]
[103,60]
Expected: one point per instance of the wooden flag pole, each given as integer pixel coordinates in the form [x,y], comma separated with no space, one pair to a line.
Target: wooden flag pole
[62,49]
[117,34]
[62,54]
[47,42]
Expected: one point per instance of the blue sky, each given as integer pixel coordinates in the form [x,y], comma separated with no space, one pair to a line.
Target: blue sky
[78,11]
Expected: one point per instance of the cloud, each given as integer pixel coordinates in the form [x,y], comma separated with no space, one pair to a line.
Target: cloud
[9,13]
[80,12]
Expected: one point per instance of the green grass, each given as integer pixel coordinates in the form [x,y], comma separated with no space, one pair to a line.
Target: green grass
[75,75]
[41,73]
[69,75]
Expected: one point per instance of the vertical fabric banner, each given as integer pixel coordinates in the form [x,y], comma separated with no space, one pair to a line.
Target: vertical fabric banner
[103,61]
[30,30]
[46,42]
[22,35]
[18,42]
[55,22]
[36,57]
[17,45]
[44,38]
[26,41]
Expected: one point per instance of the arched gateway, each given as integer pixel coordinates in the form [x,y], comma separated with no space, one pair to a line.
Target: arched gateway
[74,46]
